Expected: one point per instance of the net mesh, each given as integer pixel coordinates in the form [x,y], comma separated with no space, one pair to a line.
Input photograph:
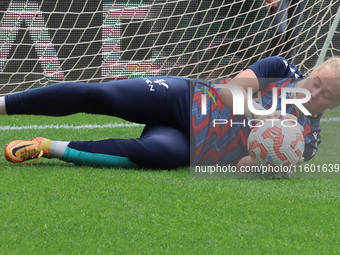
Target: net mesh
[45,42]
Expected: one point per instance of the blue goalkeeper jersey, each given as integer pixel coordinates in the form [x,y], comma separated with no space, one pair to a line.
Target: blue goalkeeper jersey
[226,143]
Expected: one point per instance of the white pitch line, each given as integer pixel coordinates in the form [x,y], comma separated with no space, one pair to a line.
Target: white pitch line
[113,125]
[331,119]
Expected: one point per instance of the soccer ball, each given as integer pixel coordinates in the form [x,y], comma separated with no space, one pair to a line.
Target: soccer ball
[276,142]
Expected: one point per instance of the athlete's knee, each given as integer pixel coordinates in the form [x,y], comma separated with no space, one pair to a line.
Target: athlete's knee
[172,154]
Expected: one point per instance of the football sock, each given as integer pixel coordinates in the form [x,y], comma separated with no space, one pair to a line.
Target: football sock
[96,159]
[2,106]
[57,149]
[45,145]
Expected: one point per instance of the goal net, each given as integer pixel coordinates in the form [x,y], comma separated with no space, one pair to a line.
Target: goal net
[44,42]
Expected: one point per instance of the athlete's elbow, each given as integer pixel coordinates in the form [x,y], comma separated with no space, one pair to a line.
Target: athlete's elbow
[226,98]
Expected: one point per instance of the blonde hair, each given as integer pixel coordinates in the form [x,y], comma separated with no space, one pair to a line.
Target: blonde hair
[332,63]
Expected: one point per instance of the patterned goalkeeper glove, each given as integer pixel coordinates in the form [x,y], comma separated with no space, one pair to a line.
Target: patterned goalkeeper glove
[276,114]
[251,115]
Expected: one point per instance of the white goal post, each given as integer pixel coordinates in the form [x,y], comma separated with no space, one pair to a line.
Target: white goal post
[44,42]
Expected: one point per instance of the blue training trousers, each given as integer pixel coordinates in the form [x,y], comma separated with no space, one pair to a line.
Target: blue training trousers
[162,103]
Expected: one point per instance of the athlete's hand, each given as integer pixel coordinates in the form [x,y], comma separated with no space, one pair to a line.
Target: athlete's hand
[257,106]
[276,114]
[302,159]
[251,115]
[287,117]
[292,117]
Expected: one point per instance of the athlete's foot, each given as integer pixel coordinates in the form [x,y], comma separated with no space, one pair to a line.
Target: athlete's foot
[19,150]
[45,144]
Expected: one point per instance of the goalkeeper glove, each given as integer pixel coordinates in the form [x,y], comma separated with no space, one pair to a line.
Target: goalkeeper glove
[277,114]
[251,115]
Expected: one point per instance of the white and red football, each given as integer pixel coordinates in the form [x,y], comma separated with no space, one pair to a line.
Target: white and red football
[276,143]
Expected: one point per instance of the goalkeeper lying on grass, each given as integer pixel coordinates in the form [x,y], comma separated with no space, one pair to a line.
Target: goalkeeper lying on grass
[171,116]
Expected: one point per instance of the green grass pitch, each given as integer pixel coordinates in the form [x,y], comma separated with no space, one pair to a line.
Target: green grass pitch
[53,207]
